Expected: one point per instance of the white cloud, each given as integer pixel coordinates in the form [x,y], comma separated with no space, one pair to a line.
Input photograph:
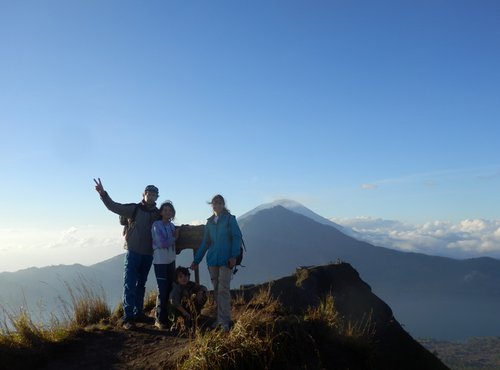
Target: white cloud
[496,234]
[369,186]
[467,238]
[22,248]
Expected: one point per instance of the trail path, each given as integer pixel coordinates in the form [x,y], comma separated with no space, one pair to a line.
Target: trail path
[145,347]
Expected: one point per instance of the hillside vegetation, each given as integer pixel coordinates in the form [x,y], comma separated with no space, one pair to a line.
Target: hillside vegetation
[268,333]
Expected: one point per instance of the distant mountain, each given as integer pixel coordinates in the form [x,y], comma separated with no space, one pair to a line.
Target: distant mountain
[296,207]
[44,291]
[436,297]
[433,296]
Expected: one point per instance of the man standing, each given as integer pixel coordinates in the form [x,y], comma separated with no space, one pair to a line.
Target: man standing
[138,243]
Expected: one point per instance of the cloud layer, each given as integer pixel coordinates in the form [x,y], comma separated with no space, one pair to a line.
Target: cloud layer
[86,245]
[22,248]
[464,239]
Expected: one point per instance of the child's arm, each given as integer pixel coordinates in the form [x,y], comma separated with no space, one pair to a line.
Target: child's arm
[175,300]
[197,288]
[184,313]
[202,249]
[200,293]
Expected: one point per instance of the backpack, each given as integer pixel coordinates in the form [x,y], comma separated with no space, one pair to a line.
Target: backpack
[127,222]
[242,248]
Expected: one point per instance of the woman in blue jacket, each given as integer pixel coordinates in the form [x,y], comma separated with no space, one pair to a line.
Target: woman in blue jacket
[221,242]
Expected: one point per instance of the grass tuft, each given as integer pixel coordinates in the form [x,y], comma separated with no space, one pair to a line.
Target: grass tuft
[300,276]
[150,301]
[25,343]
[247,346]
[88,306]
[263,336]
[325,312]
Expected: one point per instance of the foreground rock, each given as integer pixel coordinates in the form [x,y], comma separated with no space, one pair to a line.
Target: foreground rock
[393,347]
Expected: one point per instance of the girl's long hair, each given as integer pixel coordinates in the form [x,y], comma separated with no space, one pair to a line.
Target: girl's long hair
[168,203]
[220,198]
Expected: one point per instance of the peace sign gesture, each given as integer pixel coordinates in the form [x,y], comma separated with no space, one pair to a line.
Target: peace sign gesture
[98,186]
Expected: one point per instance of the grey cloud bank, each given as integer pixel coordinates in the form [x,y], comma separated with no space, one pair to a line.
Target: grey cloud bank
[465,239]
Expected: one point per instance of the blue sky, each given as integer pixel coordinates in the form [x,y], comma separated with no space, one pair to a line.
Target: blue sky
[386,109]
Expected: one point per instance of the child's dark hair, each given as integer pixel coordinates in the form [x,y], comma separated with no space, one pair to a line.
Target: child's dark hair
[168,204]
[181,270]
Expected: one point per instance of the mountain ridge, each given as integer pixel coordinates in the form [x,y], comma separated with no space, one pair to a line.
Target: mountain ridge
[296,207]
[409,281]
[427,293]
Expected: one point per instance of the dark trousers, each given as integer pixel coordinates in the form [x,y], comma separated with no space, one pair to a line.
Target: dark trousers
[164,277]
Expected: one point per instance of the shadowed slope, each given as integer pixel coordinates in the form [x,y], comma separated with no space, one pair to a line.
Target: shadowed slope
[354,300]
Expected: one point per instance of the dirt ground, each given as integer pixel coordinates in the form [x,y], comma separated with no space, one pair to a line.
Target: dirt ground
[144,347]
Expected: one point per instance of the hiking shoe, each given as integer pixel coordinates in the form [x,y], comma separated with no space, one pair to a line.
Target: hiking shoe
[143,318]
[214,325]
[218,326]
[127,325]
[160,326]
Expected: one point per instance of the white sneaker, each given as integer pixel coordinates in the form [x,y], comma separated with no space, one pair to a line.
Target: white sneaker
[160,326]
[127,325]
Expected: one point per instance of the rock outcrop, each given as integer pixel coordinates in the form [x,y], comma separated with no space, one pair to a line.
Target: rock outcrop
[393,347]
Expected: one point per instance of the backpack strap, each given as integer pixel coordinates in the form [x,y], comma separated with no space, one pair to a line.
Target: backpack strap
[231,235]
[132,219]
[126,222]
[242,245]
[129,221]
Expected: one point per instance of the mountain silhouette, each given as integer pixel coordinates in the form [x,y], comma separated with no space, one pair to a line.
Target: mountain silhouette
[432,296]
[296,207]
[355,302]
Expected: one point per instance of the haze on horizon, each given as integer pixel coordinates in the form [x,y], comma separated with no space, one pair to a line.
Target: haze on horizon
[381,116]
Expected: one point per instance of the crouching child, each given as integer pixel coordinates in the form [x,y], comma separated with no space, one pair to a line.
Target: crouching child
[187,298]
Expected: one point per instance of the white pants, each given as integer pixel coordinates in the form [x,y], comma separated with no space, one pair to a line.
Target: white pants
[221,279]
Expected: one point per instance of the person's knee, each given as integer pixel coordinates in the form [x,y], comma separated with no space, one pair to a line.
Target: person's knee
[224,284]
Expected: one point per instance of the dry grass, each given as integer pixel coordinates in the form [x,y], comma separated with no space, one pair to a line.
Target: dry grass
[21,332]
[150,300]
[87,306]
[24,341]
[300,276]
[263,336]
[248,345]
[326,314]
[149,306]
[117,313]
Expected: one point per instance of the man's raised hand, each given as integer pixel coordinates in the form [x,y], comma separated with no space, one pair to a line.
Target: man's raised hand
[98,186]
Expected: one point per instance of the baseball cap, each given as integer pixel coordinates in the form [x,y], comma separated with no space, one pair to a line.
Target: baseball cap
[151,189]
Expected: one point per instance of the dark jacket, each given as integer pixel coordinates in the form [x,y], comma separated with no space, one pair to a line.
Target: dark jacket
[180,294]
[138,238]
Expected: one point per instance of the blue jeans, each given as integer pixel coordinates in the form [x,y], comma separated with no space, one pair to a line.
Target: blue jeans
[164,277]
[137,268]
